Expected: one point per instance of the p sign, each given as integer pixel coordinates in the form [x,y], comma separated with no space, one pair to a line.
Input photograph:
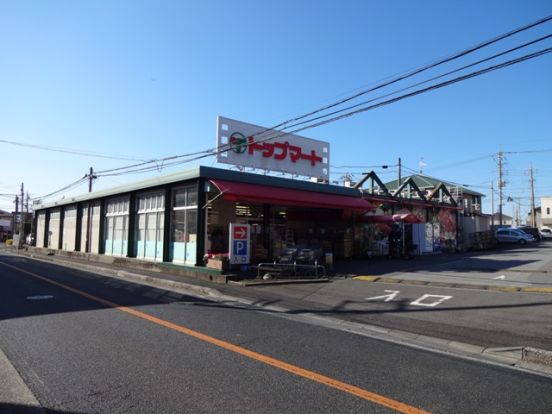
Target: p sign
[239,243]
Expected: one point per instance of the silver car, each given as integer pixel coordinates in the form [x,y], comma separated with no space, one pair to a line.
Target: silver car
[513,236]
[545,233]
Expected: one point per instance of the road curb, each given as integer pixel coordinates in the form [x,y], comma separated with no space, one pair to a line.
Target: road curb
[124,274]
[492,288]
[15,395]
[537,356]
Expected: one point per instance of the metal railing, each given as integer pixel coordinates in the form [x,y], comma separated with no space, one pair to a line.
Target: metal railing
[290,270]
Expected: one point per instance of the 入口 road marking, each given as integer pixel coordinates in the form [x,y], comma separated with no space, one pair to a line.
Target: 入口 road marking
[388,298]
[420,301]
[284,366]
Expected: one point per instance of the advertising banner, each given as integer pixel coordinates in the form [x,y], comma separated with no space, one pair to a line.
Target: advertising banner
[248,145]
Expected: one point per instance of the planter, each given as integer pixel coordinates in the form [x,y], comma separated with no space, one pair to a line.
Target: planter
[217,264]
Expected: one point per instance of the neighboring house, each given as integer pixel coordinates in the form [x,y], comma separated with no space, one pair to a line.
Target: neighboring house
[507,221]
[546,211]
[6,220]
[538,218]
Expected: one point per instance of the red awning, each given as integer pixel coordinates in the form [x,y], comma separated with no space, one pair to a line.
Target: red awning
[254,193]
[395,218]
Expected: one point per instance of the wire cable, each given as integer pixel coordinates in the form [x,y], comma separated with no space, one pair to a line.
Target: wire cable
[67,187]
[354,112]
[69,151]
[419,70]
[423,82]
[379,86]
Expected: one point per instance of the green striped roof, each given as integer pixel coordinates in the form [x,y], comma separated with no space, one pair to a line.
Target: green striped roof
[425,182]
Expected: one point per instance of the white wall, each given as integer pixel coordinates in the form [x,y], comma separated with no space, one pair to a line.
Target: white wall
[69,228]
[546,211]
[40,224]
[55,221]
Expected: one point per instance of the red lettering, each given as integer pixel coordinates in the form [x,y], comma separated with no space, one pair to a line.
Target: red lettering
[282,146]
[312,157]
[253,146]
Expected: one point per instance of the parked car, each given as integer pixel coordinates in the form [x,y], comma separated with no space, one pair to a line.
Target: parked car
[530,230]
[546,233]
[513,236]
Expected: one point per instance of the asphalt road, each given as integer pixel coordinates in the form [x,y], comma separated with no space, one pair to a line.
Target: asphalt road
[89,344]
[480,317]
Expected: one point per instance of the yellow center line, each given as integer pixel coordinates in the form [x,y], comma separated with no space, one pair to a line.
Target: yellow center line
[301,372]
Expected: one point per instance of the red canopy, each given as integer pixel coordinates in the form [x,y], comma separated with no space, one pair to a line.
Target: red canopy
[234,191]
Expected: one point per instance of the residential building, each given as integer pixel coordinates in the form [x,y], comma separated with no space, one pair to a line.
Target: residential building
[507,221]
[546,211]
[6,222]
[538,218]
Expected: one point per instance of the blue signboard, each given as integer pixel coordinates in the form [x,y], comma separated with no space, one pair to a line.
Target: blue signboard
[239,243]
[240,247]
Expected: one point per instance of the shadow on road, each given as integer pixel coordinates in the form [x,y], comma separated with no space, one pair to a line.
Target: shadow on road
[450,262]
[9,408]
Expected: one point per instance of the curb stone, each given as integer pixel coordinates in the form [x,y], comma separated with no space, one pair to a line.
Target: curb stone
[537,356]
[14,393]
[493,288]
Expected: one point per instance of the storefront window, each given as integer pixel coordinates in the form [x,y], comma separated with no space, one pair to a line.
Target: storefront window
[184,225]
[149,231]
[116,227]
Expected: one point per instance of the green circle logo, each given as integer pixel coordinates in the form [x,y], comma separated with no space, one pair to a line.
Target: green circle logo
[238,142]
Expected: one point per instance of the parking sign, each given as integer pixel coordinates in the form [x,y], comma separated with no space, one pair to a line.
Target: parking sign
[239,243]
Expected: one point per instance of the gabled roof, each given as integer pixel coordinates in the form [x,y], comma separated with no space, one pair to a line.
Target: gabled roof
[411,185]
[426,182]
[442,195]
[374,182]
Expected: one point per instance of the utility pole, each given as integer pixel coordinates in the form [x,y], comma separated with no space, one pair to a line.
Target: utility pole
[16,214]
[492,204]
[91,176]
[400,166]
[501,184]
[532,181]
[21,218]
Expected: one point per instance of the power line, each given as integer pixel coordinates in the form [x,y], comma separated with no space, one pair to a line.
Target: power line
[423,82]
[70,151]
[67,187]
[420,70]
[348,114]
[213,151]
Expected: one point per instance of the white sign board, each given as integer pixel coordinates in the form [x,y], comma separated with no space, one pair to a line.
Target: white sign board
[248,145]
[240,244]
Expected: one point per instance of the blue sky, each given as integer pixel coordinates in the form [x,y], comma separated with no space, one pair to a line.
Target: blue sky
[147,79]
